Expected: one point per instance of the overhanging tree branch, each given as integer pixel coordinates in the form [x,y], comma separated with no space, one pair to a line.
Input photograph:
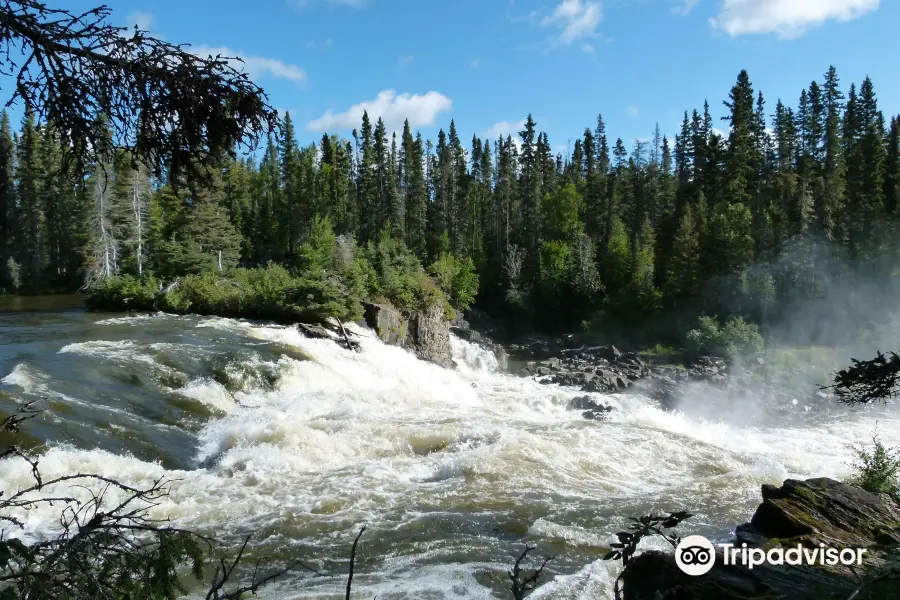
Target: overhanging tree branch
[170,106]
[864,382]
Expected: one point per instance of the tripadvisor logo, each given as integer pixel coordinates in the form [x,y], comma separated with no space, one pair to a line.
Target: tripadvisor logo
[695,555]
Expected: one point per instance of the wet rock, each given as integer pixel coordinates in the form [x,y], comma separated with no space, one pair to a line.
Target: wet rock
[426,334]
[808,513]
[595,415]
[825,511]
[592,410]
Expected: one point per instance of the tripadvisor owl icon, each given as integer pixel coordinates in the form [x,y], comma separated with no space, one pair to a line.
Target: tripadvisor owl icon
[695,555]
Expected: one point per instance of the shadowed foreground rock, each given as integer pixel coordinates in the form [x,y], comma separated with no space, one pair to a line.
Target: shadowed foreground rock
[810,513]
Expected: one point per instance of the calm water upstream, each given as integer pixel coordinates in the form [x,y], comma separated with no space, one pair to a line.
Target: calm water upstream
[303,442]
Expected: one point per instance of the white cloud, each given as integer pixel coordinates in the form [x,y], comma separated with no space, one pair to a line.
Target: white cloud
[405,60]
[634,111]
[475,63]
[254,66]
[787,18]
[505,128]
[686,6]
[576,18]
[420,109]
[143,20]
[588,49]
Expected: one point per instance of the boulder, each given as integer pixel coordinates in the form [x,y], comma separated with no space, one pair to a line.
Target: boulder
[824,511]
[808,513]
[426,334]
[592,410]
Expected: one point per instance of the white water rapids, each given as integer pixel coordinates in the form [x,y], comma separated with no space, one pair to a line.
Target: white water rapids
[451,470]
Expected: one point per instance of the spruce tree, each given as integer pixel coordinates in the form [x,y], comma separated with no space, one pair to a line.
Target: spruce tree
[682,267]
[833,172]
[9,226]
[289,214]
[892,169]
[742,143]
[32,239]
[529,189]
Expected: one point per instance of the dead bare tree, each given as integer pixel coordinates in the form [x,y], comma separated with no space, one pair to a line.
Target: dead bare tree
[522,582]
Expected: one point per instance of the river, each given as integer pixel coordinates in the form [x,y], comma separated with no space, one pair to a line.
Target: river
[302,442]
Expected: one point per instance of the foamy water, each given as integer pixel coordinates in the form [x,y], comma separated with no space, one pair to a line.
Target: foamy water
[451,470]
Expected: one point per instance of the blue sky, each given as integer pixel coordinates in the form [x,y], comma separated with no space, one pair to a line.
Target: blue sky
[488,63]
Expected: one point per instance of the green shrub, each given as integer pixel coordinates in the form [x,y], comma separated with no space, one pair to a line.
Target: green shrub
[333,279]
[736,338]
[876,469]
[123,293]
[396,274]
[456,278]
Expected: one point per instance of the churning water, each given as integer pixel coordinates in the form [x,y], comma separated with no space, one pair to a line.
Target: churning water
[302,442]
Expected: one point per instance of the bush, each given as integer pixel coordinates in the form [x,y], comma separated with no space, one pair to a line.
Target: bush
[876,469]
[334,277]
[395,274]
[456,278]
[737,338]
[123,293]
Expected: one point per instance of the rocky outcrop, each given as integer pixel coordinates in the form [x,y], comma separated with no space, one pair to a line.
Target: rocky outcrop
[823,511]
[602,369]
[808,513]
[425,334]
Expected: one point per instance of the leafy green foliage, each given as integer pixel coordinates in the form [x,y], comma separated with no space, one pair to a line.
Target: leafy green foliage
[736,338]
[876,469]
[456,278]
[396,275]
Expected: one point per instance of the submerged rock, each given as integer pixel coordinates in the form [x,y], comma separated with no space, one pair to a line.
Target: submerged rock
[593,410]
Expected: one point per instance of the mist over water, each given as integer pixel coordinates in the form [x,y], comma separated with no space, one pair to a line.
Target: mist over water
[302,442]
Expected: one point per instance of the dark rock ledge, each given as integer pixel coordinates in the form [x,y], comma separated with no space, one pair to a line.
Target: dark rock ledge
[809,513]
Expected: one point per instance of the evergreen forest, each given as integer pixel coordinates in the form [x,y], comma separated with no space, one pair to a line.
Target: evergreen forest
[774,208]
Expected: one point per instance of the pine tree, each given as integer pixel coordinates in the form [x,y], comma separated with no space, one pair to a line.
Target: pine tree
[397,206]
[683,268]
[9,226]
[417,199]
[267,201]
[833,172]
[892,169]
[32,252]
[291,212]
[381,208]
[367,185]
[596,148]
[742,143]
[864,138]
[529,189]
